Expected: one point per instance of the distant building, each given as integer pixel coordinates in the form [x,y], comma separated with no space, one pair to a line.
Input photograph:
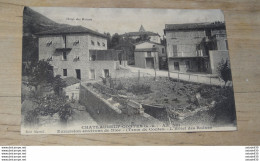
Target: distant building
[154,37]
[196,47]
[149,54]
[69,51]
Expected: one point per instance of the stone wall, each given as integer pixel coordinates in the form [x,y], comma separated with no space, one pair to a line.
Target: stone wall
[104,113]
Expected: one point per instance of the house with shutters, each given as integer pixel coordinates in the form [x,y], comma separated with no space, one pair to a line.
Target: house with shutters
[196,47]
[78,52]
[149,54]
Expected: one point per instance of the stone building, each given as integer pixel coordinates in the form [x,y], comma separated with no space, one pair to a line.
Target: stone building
[68,50]
[149,54]
[196,47]
[154,37]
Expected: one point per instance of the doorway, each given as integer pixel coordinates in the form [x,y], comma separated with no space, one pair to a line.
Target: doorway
[106,73]
[149,63]
[78,74]
[176,66]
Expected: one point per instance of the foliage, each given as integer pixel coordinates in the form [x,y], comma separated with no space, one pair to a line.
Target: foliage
[224,71]
[58,84]
[40,74]
[47,106]
[143,37]
[224,111]
[139,89]
[65,112]
[119,86]
[115,40]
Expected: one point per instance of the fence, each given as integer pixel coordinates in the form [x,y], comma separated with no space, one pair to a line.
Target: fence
[197,78]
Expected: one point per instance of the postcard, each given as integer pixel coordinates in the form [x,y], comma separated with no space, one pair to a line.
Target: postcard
[122,70]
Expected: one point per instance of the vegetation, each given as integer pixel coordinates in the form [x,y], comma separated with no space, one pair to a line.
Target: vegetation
[47,94]
[139,89]
[224,71]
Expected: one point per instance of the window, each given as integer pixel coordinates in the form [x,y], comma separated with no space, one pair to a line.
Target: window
[106,73]
[176,66]
[92,57]
[149,54]
[49,43]
[65,72]
[92,74]
[162,50]
[98,43]
[64,56]
[92,42]
[174,48]
[76,43]
[187,63]
[104,44]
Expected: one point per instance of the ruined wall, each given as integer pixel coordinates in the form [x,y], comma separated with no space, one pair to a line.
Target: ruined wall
[104,113]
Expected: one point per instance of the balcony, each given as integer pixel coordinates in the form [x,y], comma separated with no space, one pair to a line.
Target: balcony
[197,54]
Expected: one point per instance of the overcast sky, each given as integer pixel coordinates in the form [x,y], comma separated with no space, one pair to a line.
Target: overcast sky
[121,20]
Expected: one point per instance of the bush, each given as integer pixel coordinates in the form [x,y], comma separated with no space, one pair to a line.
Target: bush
[65,113]
[139,89]
[119,86]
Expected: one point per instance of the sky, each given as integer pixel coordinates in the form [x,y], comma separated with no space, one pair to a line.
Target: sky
[122,20]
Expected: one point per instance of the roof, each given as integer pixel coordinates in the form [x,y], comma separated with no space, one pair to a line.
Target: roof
[110,54]
[148,42]
[141,29]
[148,33]
[196,26]
[71,30]
[146,49]
[71,81]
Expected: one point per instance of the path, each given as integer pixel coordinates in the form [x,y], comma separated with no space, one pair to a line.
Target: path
[197,78]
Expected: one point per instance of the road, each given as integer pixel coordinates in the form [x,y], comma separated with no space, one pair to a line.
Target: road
[197,78]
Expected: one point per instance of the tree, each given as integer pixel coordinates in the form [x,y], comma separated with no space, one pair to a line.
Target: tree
[143,37]
[40,74]
[108,39]
[115,40]
[224,71]
[58,84]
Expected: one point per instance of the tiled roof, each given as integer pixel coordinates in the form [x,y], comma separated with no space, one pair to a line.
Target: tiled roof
[110,54]
[189,26]
[148,42]
[141,33]
[71,80]
[146,49]
[71,30]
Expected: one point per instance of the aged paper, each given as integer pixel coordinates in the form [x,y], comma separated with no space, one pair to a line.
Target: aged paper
[111,70]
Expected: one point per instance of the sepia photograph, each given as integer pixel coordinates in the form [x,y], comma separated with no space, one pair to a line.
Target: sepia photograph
[125,70]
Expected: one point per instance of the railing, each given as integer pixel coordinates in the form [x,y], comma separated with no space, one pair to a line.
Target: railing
[198,53]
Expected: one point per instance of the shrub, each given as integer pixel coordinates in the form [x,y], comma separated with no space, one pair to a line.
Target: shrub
[139,89]
[119,86]
[65,113]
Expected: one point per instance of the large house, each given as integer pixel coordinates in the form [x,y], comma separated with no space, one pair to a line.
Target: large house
[196,47]
[72,52]
[149,54]
[154,37]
